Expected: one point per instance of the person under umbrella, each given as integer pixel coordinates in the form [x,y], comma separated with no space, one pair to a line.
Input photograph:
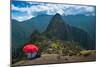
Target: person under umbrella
[31,50]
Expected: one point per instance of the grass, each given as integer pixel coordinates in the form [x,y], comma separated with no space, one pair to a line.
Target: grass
[87,52]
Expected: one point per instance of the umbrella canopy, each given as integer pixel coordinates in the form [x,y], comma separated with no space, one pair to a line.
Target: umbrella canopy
[30,48]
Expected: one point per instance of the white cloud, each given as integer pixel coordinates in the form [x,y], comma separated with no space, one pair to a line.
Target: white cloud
[52,9]
[22,18]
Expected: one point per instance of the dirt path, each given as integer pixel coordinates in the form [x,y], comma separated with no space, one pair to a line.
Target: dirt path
[54,58]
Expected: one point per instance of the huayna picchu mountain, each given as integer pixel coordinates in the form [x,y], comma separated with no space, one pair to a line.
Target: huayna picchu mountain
[59,29]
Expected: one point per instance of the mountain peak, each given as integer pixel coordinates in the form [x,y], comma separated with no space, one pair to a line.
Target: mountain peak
[57,14]
[56,19]
[57,28]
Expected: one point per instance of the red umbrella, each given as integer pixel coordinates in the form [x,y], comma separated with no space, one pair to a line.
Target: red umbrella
[30,48]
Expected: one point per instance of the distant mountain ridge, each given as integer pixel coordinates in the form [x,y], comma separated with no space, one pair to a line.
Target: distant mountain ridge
[81,21]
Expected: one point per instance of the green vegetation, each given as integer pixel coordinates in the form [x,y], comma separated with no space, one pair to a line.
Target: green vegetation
[59,47]
[87,52]
[18,55]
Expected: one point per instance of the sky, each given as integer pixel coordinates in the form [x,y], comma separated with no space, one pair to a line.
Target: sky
[24,10]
